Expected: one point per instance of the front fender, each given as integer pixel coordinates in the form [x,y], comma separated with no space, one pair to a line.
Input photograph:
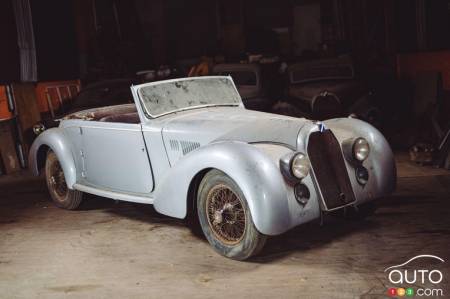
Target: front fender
[54,139]
[381,162]
[251,168]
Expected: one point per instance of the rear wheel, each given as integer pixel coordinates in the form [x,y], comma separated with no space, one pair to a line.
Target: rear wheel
[225,217]
[62,196]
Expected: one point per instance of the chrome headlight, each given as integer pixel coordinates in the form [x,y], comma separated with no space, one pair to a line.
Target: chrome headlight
[361,149]
[300,166]
[38,128]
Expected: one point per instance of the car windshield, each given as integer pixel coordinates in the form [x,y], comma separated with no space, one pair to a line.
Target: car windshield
[176,95]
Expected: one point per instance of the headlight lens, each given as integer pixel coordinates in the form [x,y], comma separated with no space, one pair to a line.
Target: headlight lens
[361,149]
[300,166]
[38,128]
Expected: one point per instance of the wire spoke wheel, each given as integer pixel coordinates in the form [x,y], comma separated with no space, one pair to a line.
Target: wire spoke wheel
[226,214]
[60,193]
[57,179]
[225,217]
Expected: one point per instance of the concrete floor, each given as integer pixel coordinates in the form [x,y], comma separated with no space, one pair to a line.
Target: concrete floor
[123,250]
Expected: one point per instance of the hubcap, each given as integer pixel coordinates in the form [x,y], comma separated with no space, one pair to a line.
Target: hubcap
[226,214]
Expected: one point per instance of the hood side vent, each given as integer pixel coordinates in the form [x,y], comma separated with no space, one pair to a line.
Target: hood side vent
[188,146]
[184,146]
[174,145]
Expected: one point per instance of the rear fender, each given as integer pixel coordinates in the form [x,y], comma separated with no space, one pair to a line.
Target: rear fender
[55,140]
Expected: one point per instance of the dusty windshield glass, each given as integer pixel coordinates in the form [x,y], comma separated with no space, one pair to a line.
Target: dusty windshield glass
[167,97]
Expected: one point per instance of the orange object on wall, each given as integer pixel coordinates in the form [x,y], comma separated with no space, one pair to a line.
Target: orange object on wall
[52,95]
[408,65]
[4,108]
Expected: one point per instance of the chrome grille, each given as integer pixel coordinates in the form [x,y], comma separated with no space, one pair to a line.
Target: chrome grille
[330,170]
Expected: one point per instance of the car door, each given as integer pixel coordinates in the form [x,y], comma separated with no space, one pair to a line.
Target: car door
[115,157]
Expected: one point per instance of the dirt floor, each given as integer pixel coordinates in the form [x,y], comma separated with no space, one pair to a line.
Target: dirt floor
[123,250]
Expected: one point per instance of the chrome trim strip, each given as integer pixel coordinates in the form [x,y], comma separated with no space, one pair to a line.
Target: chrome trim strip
[113,194]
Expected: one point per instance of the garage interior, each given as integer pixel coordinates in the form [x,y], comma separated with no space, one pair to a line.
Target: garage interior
[62,56]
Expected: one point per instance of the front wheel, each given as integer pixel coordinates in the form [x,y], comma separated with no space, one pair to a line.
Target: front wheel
[61,195]
[225,217]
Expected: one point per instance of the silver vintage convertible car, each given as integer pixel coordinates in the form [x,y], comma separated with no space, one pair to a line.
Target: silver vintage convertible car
[189,147]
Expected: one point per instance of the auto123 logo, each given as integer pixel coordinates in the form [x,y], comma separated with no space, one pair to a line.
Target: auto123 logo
[412,278]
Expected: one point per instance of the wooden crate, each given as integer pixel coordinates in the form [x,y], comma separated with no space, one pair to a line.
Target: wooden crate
[27,112]
[51,96]
[5,109]
[410,64]
[9,160]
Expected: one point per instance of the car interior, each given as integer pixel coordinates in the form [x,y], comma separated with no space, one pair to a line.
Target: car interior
[126,113]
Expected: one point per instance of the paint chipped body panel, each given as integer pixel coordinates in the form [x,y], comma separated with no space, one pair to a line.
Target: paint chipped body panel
[126,153]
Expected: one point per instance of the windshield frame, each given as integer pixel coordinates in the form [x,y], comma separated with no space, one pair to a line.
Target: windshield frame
[149,115]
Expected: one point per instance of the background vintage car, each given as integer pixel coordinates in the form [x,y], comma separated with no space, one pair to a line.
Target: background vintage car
[258,84]
[245,174]
[324,89]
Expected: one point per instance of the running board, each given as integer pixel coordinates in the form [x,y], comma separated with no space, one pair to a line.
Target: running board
[113,194]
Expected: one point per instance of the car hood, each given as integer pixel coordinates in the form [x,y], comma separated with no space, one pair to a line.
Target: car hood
[204,126]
